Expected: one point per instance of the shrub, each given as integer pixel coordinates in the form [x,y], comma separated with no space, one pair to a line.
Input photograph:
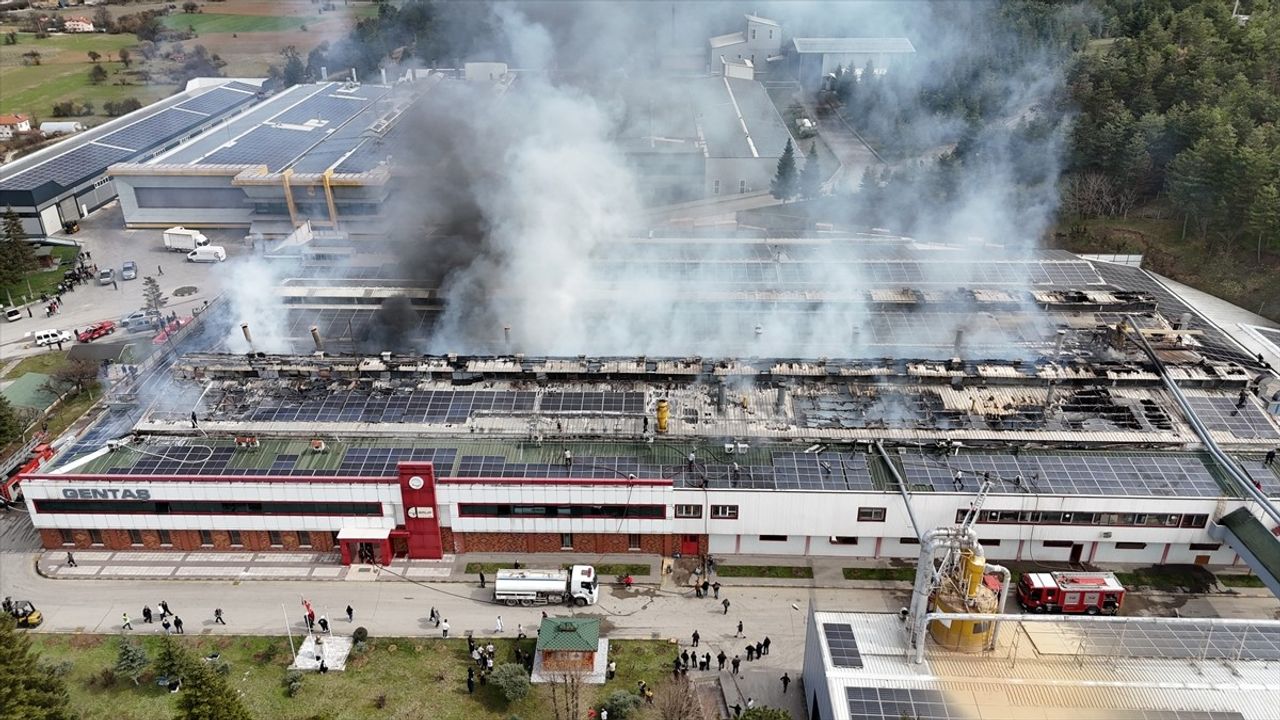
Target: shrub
[292,683]
[620,704]
[380,702]
[360,635]
[103,679]
[61,669]
[512,680]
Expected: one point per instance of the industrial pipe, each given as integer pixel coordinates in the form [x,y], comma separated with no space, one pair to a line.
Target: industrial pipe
[315,337]
[1002,599]
[664,416]
[902,487]
[244,328]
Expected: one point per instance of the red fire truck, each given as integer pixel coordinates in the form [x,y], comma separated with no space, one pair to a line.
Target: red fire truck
[1071,592]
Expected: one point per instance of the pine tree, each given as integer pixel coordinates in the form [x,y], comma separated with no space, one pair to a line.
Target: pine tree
[10,424]
[1263,219]
[153,298]
[811,175]
[132,659]
[29,690]
[207,696]
[783,186]
[172,660]
[17,258]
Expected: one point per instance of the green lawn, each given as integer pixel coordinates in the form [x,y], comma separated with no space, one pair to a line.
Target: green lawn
[765,571]
[45,363]
[608,569]
[1169,578]
[408,678]
[34,90]
[1246,581]
[907,574]
[38,282]
[220,23]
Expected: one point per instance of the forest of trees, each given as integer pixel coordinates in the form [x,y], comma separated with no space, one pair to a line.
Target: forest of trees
[1163,100]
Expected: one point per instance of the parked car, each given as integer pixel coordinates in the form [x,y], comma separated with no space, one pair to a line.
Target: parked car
[12,314]
[208,253]
[53,337]
[129,271]
[95,331]
[140,319]
[106,277]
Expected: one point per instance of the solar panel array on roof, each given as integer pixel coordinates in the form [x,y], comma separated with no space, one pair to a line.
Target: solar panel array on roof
[335,109]
[593,402]
[1143,640]
[216,100]
[1166,475]
[438,406]
[842,645]
[884,703]
[237,85]
[1242,419]
[228,460]
[153,131]
[273,147]
[69,168]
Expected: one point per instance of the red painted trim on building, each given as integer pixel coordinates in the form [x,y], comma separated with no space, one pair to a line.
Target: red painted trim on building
[1164,556]
[137,479]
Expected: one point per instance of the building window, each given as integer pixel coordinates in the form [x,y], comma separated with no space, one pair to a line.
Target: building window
[1194,521]
[870,514]
[95,537]
[1131,546]
[304,539]
[773,538]
[842,540]
[908,541]
[566,541]
[1207,547]
[753,33]
[990,543]
[742,186]
[770,34]
[233,537]
[206,538]
[273,537]
[715,187]
[1058,543]
[67,537]
[688,511]
[135,537]
[165,537]
[633,541]
[616,512]
[724,512]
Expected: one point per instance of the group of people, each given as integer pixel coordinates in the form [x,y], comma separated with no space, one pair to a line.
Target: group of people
[174,626]
[484,657]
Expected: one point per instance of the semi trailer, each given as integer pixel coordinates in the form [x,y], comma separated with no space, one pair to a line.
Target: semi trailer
[526,587]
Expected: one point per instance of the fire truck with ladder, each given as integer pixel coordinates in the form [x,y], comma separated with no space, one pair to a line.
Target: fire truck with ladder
[1089,593]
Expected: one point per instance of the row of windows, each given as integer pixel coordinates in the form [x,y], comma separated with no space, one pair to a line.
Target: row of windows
[207,507]
[730,512]
[642,512]
[206,538]
[1036,517]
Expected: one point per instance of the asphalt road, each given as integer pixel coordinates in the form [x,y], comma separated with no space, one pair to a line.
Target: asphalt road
[102,234]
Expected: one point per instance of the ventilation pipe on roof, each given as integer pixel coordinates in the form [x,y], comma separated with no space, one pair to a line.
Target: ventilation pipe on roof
[315,337]
[244,328]
[324,73]
[506,335]
[1057,346]
[720,396]
[780,403]
[384,75]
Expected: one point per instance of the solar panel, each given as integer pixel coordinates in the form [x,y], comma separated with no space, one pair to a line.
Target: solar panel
[155,130]
[1167,474]
[216,100]
[870,703]
[593,402]
[270,146]
[333,109]
[1139,640]
[67,169]
[842,645]
[1228,414]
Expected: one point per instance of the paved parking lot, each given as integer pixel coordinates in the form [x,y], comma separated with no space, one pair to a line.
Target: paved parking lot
[110,245]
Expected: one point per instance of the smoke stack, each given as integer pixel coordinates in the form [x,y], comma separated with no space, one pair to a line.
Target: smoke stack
[324,73]
[780,403]
[506,335]
[955,353]
[384,75]
[244,328]
[720,397]
[1057,345]
[1048,396]
[315,337]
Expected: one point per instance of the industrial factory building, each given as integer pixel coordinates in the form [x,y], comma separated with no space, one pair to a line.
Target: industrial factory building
[312,153]
[67,181]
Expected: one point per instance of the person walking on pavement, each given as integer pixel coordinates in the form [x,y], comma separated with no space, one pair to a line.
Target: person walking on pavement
[351,614]
[737,710]
[715,587]
[482,578]
[164,624]
[177,625]
[751,652]
[127,625]
[739,633]
[720,658]
[786,680]
[324,624]
[751,703]
[736,662]
[146,613]
[444,628]
[706,662]
[725,603]
[164,609]
[706,586]
[71,560]
[217,617]
[759,650]
[696,636]
[497,626]
[764,646]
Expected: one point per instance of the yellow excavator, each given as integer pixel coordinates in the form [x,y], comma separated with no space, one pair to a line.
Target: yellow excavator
[24,612]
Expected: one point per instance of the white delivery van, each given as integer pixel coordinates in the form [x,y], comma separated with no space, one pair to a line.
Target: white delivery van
[53,337]
[208,253]
[182,239]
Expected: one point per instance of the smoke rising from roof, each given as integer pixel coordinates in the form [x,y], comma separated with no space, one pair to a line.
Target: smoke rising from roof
[532,196]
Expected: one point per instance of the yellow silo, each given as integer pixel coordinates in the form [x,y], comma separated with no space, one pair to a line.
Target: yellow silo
[964,592]
[664,415]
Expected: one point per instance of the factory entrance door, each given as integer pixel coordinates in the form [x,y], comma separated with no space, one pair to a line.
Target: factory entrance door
[1076,551]
[689,545]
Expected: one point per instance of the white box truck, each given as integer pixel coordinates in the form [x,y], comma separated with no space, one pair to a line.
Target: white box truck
[578,585]
[184,240]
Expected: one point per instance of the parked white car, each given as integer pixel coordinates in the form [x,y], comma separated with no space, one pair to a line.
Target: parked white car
[53,337]
[208,253]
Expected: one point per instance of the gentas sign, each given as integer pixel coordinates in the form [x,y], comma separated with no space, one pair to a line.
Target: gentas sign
[106,494]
